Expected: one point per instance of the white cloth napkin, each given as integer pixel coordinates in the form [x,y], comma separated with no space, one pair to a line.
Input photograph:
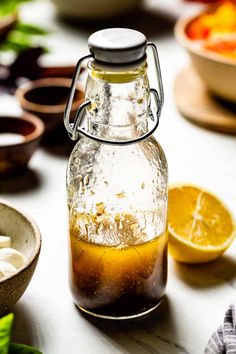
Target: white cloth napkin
[223,340]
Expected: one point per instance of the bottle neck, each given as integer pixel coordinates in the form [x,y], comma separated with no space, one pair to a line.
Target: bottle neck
[119,101]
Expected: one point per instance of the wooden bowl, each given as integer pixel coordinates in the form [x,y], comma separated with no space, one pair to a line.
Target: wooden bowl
[19,138]
[26,238]
[217,71]
[46,98]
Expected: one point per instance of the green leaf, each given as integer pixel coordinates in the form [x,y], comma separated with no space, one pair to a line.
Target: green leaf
[15,47]
[17,42]
[22,37]
[30,29]
[9,6]
[17,37]
[5,333]
[17,2]
[22,349]
[12,348]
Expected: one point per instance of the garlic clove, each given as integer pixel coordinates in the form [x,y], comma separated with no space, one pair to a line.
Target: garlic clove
[12,256]
[6,269]
[5,241]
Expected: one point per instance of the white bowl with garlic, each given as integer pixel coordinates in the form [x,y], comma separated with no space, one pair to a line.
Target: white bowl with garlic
[20,244]
[10,259]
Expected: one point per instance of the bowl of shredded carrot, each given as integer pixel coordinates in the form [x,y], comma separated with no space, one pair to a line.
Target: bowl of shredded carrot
[210,39]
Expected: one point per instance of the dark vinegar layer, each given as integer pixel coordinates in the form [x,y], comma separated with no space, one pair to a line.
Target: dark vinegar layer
[118,282]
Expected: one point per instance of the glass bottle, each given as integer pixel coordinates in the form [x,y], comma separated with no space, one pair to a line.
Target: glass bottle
[117,182]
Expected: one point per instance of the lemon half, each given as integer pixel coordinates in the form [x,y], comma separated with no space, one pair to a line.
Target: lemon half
[200,226]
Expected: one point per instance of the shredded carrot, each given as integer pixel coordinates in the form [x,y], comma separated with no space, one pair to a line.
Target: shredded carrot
[216,29]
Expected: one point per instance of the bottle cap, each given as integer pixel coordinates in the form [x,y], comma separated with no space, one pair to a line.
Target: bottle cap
[118,45]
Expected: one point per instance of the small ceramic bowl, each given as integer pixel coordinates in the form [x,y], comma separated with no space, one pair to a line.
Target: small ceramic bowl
[19,138]
[26,238]
[46,98]
[217,71]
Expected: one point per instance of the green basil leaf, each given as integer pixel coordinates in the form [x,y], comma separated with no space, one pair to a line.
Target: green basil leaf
[30,29]
[17,37]
[17,2]
[9,46]
[18,40]
[16,348]
[9,6]
[5,333]
[15,47]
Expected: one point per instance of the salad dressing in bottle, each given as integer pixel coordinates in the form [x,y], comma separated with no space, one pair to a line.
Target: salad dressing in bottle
[117,181]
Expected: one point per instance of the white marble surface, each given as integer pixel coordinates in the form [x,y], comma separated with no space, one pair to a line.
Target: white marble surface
[196,296]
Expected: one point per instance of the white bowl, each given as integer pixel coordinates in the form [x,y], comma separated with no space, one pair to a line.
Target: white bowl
[217,71]
[25,238]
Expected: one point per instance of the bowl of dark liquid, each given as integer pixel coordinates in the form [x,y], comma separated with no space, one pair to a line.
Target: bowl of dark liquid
[46,98]
[19,138]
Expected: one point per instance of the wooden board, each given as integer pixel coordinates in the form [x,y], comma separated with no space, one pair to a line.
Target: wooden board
[197,105]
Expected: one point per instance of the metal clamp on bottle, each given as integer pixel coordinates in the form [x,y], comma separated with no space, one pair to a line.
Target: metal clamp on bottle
[127,54]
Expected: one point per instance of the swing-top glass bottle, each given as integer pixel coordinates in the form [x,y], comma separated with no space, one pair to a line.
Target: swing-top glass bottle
[117,181]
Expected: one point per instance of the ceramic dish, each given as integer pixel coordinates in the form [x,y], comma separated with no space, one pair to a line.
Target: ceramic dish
[26,238]
[217,71]
[46,98]
[19,138]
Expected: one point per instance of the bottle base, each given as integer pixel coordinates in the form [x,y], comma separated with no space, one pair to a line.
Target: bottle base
[128,317]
